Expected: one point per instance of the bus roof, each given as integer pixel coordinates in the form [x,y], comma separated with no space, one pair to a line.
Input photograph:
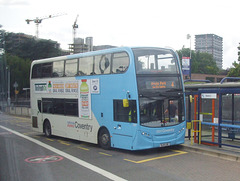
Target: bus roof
[212,85]
[93,53]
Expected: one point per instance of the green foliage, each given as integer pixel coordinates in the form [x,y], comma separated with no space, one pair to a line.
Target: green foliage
[235,71]
[202,63]
[30,48]
[19,70]
[20,50]
[239,52]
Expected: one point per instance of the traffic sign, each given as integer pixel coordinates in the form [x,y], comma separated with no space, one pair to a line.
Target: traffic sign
[15,85]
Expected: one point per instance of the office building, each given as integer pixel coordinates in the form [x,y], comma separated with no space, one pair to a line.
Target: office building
[212,44]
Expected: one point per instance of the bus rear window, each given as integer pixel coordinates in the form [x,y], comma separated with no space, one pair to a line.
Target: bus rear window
[37,71]
[42,70]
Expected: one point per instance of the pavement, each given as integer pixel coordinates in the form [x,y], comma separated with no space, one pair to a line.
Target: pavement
[228,153]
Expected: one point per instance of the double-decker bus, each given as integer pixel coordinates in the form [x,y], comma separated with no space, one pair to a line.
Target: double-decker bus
[128,98]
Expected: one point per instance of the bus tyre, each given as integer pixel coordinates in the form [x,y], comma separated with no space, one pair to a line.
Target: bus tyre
[104,139]
[47,129]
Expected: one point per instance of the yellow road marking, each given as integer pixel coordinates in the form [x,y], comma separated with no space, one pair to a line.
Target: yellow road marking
[104,154]
[21,121]
[83,148]
[28,133]
[157,158]
[49,139]
[63,142]
[22,118]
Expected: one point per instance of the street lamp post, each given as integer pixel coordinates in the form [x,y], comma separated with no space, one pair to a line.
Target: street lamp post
[8,82]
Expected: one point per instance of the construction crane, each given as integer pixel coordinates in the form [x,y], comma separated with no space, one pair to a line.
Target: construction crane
[37,21]
[75,26]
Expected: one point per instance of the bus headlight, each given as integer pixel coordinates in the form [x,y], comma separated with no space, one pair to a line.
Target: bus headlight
[146,134]
[181,130]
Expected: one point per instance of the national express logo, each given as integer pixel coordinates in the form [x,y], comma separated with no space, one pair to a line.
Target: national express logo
[77,125]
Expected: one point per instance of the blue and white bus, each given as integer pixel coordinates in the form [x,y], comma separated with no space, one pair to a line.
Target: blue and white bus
[128,98]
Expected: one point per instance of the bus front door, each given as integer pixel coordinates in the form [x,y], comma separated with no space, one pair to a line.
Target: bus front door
[124,124]
[39,112]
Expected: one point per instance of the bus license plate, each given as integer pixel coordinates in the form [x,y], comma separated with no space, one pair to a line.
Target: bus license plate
[164,144]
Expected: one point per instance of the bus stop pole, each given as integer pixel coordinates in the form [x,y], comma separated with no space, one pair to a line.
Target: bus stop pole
[220,121]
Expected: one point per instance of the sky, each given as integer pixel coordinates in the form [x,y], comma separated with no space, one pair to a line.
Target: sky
[157,23]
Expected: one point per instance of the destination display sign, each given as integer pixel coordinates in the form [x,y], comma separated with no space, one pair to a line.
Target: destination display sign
[160,84]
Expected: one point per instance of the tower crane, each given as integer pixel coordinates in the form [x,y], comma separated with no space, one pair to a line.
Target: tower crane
[75,26]
[37,21]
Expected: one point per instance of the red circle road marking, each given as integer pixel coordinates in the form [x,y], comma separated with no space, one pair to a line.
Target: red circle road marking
[43,159]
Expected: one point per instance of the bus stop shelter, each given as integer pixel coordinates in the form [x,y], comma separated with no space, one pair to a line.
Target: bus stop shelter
[217,106]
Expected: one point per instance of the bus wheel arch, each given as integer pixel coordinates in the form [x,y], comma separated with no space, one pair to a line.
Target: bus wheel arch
[104,138]
[47,129]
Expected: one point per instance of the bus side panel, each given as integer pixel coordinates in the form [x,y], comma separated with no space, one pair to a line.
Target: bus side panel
[116,87]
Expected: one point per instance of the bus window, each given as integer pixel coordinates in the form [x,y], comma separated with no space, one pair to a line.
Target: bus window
[47,70]
[58,69]
[39,103]
[102,64]
[71,107]
[120,62]
[58,106]
[71,67]
[166,63]
[160,113]
[85,66]
[37,71]
[151,61]
[47,106]
[125,114]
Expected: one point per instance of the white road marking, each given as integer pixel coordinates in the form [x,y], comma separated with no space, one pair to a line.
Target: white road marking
[70,157]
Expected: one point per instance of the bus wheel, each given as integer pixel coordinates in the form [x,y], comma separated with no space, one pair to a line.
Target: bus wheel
[47,129]
[104,139]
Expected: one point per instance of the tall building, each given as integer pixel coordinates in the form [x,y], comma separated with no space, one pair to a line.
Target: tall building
[79,46]
[211,44]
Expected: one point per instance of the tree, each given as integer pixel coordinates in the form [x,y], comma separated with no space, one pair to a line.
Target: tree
[235,71]
[20,50]
[29,48]
[19,70]
[239,52]
[200,62]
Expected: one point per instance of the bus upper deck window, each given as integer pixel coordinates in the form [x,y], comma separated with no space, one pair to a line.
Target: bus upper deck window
[102,64]
[71,67]
[120,62]
[37,71]
[47,70]
[85,66]
[58,69]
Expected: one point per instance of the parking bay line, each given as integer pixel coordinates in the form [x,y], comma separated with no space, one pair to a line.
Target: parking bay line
[157,158]
[87,165]
[104,154]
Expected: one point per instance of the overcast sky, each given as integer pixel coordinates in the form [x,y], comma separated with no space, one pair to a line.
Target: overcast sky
[129,22]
